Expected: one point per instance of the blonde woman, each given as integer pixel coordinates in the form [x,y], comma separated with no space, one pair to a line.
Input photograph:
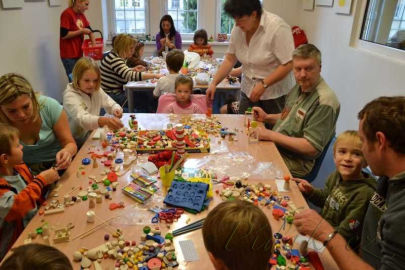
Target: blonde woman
[73,27]
[83,99]
[115,72]
[42,123]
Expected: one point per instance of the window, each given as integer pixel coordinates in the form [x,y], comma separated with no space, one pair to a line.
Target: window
[384,23]
[184,14]
[129,16]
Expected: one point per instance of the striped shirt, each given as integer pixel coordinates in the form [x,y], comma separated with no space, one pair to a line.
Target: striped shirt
[115,73]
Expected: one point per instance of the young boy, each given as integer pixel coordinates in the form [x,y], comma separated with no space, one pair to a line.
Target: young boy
[237,235]
[174,62]
[348,190]
[183,103]
[19,189]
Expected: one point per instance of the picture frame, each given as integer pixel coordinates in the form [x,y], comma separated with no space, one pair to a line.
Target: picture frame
[6,4]
[324,3]
[343,7]
[308,5]
[54,3]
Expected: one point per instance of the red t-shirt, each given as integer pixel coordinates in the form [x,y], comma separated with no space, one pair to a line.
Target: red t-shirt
[72,47]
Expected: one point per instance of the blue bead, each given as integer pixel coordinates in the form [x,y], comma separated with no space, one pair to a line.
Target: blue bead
[86,161]
[118,160]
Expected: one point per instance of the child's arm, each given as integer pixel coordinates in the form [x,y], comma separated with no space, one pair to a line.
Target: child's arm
[210,51]
[110,105]
[318,196]
[158,91]
[16,206]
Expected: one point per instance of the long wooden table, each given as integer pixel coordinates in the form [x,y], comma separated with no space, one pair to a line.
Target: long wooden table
[134,216]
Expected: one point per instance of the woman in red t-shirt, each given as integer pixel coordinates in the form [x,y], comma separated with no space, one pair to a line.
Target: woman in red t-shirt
[73,27]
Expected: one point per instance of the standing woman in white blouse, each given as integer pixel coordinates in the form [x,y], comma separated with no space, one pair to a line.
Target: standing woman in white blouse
[263,43]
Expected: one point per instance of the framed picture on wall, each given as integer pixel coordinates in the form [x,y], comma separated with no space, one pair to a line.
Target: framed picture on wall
[325,3]
[12,3]
[343,6]
[308,4]
[54,3]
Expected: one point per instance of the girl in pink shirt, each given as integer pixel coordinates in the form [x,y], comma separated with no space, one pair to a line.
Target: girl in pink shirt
[183,104]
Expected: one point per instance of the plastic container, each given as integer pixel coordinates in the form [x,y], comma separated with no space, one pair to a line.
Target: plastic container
[96,51]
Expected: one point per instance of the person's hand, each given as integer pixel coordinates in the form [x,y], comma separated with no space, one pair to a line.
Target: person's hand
[259,114]
[309,222]
[63,159]
[117,113]
[158,76]
[170,44]
[51,175]
[163,42]
[139,68]
[257,92]
[210,93]
[111,122]
[86,31]
[303,185]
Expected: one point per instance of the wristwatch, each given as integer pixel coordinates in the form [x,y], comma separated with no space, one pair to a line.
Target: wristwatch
[330,237]
[264,85]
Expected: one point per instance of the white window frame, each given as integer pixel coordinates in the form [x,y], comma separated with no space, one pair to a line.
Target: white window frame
[184,36]
[112,19]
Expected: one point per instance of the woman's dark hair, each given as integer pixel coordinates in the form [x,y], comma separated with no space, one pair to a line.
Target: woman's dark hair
[168,18]
[36,257]
[239,8]
[201,34]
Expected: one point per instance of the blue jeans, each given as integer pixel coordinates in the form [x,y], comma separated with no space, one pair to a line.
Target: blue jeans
[121,99]
[68,64]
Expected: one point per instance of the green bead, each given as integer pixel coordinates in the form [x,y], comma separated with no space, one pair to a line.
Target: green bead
[169,236]
[94,186]
[146,229]
[84,198]
[303,259]
[289,219]
[107,182]
[39,230]
[281,260]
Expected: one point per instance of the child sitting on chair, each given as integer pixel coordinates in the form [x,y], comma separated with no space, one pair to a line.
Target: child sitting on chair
[237,235]
[348,190]
[183,103]
[21,193]
[136,59]
[200,44]
[83,99]
[174,62]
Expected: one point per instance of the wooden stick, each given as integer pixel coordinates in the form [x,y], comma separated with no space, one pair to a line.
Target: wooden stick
[178,162]
[90,231]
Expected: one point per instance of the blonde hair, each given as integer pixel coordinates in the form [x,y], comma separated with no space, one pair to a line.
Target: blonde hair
[72,2]
[239,234]
[7,134]
[122,42]
[11,87]
[348,135]
[81,66]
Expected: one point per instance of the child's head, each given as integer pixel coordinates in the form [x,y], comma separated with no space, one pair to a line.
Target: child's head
[174,60]
[138,53]
[86,75]
[201,37]
[18,101]
[238,235]
[348,157]
[10,148]
[184,88]
[36,257]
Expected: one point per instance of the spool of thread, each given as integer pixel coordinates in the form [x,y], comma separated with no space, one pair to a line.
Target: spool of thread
[91,216]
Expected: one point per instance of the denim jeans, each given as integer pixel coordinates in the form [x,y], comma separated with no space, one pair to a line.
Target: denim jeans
[68,64]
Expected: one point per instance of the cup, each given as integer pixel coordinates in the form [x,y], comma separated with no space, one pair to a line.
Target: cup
[166,176]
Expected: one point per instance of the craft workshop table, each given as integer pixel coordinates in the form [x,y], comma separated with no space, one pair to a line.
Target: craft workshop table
[133,217]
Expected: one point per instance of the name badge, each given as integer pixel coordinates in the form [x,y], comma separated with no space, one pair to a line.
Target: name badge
[301,113]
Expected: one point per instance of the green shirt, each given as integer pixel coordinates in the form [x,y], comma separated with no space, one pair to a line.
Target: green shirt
[311,115]
[45,149]
[344,204]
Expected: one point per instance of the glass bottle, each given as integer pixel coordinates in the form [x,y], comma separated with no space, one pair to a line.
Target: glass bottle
[253,132]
